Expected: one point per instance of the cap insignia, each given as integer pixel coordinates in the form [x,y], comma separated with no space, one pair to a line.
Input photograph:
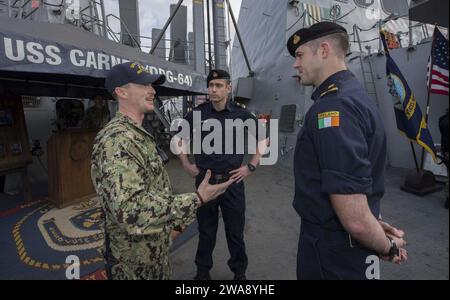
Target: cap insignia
[140,67]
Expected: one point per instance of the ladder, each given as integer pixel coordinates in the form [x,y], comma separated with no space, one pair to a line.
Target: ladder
[366,69]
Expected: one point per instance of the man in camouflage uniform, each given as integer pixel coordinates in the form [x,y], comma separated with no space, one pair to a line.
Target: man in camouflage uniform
[98,115]
[140,209]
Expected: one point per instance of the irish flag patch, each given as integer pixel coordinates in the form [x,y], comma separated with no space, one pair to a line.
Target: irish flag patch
[329,119]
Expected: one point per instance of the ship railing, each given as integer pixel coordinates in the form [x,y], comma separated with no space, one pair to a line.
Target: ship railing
[187,45]
[124,27]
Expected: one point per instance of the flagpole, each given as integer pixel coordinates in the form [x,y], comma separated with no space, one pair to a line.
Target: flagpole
[422,161]
[415,157]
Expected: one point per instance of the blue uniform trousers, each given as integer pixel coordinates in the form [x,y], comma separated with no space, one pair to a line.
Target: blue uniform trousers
[232,205]
[330,255]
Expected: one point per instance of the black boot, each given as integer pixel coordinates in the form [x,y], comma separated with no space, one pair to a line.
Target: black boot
[239,276]
[446,204]
[202,275]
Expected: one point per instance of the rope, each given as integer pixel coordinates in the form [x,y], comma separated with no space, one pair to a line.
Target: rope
[367,41]
[346,14]
[298,20]
[361,29]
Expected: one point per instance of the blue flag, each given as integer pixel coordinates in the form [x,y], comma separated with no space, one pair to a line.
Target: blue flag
[408,114]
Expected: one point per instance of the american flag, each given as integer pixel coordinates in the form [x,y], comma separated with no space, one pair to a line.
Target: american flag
[438,65]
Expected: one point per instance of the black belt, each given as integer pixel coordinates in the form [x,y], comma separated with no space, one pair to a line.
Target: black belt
[224,177]
[216,177]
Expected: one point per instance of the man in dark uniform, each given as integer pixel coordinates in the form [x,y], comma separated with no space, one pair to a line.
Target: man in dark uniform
[443,127]
[223,166]
[339,165]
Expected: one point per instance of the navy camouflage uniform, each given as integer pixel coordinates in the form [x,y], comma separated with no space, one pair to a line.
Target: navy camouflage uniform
[137,200]
[139,206]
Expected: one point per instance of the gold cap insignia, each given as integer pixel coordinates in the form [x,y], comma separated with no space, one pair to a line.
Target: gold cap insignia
[215,75]
[140,68]
[296,39]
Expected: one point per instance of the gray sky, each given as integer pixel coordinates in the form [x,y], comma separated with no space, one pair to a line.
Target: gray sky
[154,14]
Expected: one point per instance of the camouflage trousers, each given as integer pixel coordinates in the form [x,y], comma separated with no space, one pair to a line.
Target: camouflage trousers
[123,271]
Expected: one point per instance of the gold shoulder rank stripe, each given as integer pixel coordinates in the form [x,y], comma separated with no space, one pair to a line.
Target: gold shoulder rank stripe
[334,89]
[240,105]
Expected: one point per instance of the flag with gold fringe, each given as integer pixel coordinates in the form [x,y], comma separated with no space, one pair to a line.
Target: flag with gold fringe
[408,114]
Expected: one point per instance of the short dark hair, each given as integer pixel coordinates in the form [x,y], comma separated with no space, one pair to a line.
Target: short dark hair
[339,39]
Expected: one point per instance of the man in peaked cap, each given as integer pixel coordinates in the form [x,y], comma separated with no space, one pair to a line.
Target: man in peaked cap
[339,165]
[140,210]
[218,74]
[223,166]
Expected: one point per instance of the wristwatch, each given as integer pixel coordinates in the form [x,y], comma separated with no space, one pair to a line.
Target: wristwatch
[393,250]
[251,167]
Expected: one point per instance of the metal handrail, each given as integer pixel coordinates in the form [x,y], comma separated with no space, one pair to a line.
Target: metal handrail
[13,5]
[125,27]
[54,5]
[108,29]
[31,13]
[163,31]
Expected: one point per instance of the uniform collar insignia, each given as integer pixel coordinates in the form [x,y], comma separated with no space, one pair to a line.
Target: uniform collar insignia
[332,84]
[330,90]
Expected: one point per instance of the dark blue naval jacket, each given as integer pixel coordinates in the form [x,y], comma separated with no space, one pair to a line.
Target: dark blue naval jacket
[341,149]
[220,163]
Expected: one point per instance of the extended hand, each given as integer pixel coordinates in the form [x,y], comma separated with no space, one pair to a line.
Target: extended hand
[209,192]
[240,174]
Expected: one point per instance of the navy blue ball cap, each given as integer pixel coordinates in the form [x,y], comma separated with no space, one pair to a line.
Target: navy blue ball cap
[130,72]
[316,31]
